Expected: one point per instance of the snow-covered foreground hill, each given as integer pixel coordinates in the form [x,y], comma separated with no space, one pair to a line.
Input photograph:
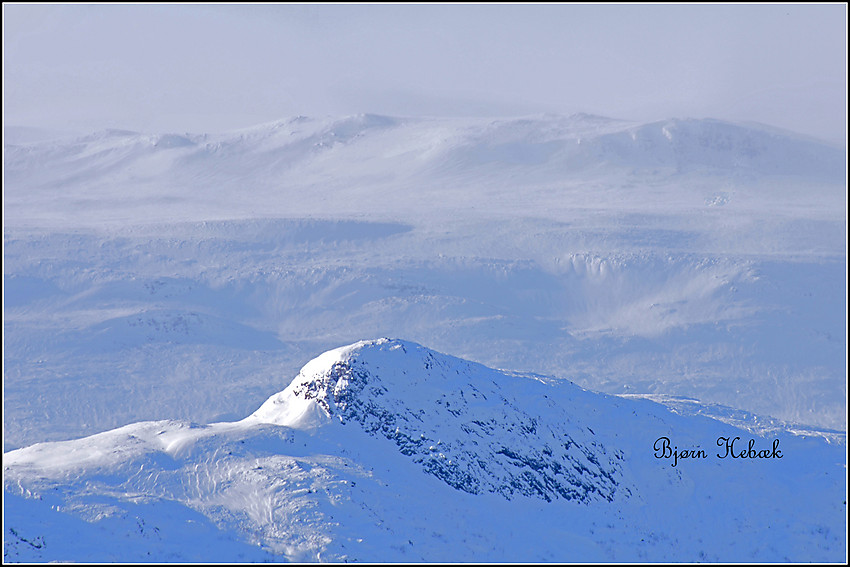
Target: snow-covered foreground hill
[176,276]
[388,451]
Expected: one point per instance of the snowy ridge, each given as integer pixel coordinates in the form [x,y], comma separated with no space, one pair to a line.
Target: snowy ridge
[716,145]
[331,469]
[756,424]
[342,157]
[578,141]
[454,419]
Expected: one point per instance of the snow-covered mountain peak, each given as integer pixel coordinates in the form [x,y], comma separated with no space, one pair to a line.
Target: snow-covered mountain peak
[581,469]
[389,369]
[462,422]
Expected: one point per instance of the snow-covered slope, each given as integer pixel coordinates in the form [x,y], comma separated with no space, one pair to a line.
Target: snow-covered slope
[387,451]
[154,276]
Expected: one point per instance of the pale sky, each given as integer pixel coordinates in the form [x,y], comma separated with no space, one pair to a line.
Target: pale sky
[209,68]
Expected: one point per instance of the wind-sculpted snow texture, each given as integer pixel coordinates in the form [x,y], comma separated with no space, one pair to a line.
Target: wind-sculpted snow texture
[387,451]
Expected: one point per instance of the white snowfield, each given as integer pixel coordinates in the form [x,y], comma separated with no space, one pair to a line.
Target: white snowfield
[697,263]
[388,451]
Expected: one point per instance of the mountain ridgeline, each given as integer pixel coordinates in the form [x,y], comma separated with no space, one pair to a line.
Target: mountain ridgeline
[385,450]
[382,148]
[459,421]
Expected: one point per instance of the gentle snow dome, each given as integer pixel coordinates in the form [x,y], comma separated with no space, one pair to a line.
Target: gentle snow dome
[207,68]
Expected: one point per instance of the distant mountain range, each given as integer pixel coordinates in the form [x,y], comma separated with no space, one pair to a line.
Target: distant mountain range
[381,148]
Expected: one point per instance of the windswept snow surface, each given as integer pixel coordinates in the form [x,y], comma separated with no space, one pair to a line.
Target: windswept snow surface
[174,276]
[388,451]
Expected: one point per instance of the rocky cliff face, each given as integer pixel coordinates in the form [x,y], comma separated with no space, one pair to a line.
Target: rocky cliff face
[459,421]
